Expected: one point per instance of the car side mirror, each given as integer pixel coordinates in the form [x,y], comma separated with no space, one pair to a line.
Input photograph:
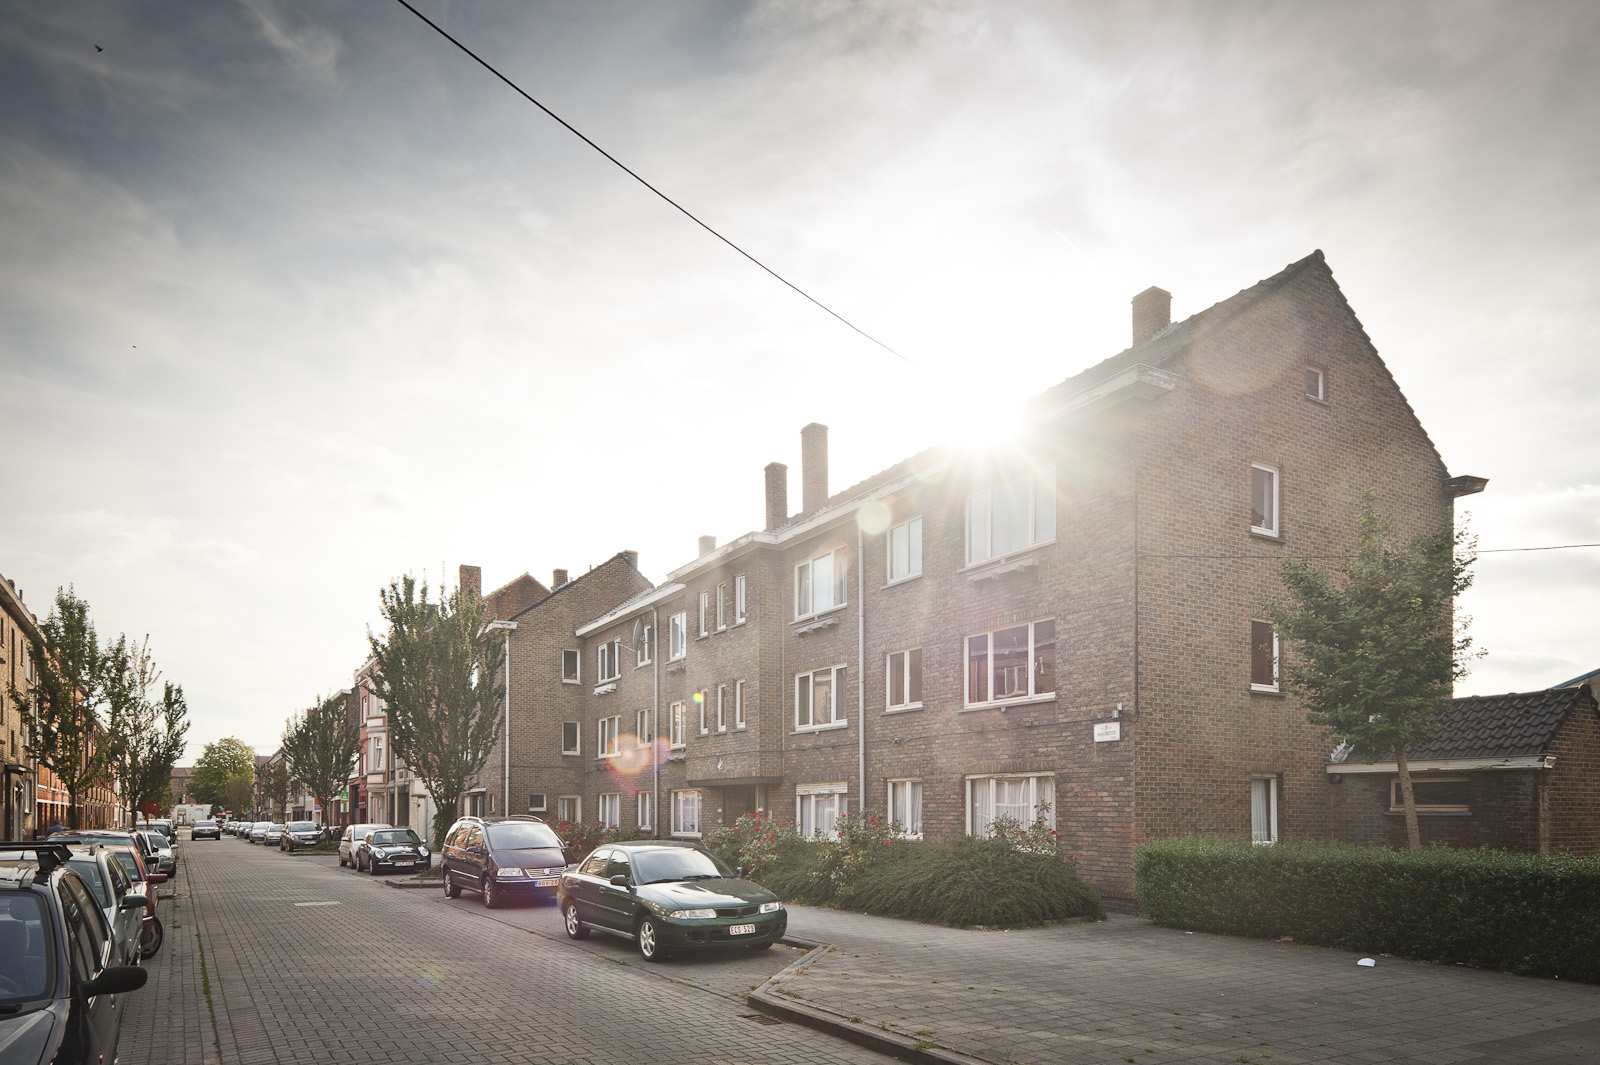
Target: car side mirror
[116,980]
[739,871]
[619,880]
[133,902]
[156,878]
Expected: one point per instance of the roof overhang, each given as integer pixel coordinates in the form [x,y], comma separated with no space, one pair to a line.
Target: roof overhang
[627,610]
[1465,485]
[1457,765]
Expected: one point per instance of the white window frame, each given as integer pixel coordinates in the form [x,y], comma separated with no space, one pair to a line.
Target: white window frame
[1321,394]
[806,683]
[1277,677]
[705,613]
[807,603]
[676,727]
[642,635]
[1274,523]
[722,711]
[613,817]
[1033,692]
[577,737]
[677,636]
[644,732]
[1035,796]
[608,660]
[572,804]
[808,801]
[905,678]
[909,556]
[645,813]
[607,733]
[1040,523]
[686,801]
[722,606]
[1264,809]
[910,798]
[741,599]
[703,698]
[573,657]
[738,705]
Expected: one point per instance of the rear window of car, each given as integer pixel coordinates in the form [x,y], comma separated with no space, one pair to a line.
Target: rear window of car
[26,964]
[521,835]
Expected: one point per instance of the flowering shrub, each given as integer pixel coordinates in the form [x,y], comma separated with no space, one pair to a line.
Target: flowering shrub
[585,836]
[859,840]
[1035,838]
[753,842]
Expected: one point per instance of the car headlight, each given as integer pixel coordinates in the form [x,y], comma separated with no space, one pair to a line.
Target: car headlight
[683,915]
[422,851]
[771,907]
[512,872]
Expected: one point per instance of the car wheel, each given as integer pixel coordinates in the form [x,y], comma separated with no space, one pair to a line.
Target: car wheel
[576,929]
[491,894]
[450,889]
[150,939]
[649,937]
[342,862]
[372,867]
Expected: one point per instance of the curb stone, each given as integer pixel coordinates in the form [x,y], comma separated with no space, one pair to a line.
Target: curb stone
[767,999]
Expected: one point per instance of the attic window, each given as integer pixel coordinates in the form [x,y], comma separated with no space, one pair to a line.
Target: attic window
[1317,384]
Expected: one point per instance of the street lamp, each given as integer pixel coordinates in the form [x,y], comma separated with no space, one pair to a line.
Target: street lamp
[506,627]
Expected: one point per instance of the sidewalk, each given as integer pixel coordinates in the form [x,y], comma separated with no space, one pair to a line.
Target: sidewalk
[1124,990]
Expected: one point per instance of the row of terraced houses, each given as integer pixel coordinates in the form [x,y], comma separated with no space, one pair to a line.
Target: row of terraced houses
[1069,626]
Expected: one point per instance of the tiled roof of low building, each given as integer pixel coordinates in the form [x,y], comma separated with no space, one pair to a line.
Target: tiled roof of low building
[1516,725]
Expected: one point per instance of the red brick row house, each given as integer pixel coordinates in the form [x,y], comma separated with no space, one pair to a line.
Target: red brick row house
[1066,626]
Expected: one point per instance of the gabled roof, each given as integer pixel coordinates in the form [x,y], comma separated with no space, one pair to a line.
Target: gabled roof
[1517,725]
[574,582]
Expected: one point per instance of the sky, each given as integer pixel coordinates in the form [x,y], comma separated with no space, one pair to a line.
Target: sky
[298,298]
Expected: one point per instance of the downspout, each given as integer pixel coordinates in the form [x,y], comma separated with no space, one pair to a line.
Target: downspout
[505,811]
[655,728]
[861,669]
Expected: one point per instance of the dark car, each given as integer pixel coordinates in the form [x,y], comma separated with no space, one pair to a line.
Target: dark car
[59,977]
[397,848]
[668,896]
[206,830]
[300,834]
[518,857]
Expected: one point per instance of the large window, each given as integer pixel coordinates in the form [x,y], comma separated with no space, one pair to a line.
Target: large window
[819,584]
[1011,516]
[569,737]
[570,668]
[677,636]
[611,809]
[741,600]
[818,808]
[607,744]
[643,634]
[905,807]
[903,680]
[644,731]
[1023,799]
[1264,500]
[1014,663]
[905,550]
[569,808]
[1264,810]
[609,660]
[1263,657]
[675,726]
[816,698]
[686,813]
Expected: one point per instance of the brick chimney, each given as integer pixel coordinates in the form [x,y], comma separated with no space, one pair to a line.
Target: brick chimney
[470,578]
[557,579]
[1152,312]
[813,468]
[777,495]
[631,558]
[708,544]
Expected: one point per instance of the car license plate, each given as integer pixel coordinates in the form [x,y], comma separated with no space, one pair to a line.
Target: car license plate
[548,881]
[404,865]
[741,929]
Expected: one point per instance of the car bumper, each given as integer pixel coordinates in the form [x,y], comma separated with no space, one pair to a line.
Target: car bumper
[716,932]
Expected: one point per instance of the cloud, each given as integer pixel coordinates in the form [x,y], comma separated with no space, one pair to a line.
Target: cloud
[311,50]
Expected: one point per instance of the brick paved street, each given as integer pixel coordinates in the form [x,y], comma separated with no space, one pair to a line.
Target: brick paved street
[1125,990]
[374,974]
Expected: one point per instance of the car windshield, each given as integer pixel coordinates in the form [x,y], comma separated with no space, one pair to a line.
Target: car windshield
[522,835]
[24,970]
[303,826]
[391,836]
[653,865]
[89,869]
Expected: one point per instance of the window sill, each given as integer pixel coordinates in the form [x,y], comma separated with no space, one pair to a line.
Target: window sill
[572,754]
[564,680]
[907,579]
[1261,689]
[906,709]
[1014,556]
[1266,534]
[803,729]
[685,835]
[1006,704]
[1425,812]
[738,621]
[1318,400]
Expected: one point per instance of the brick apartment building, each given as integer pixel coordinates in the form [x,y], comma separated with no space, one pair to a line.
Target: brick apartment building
[18,628]
[1068,625]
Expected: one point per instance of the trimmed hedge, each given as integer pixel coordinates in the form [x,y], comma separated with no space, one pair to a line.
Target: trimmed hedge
[1519,913]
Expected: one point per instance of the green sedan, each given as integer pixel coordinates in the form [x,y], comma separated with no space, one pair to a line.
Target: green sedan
[668,896]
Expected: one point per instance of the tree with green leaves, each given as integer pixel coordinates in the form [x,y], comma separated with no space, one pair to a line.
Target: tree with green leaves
[67,692]
[218,763]
[1375,649]
[236,794]
[146,735]
[319,749]
[274,783]
[439,674]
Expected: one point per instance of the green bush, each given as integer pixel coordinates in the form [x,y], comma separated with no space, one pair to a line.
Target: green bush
[1515,912]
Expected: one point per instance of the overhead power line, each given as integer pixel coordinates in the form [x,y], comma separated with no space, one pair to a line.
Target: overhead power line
[1480,551]
[625,169]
